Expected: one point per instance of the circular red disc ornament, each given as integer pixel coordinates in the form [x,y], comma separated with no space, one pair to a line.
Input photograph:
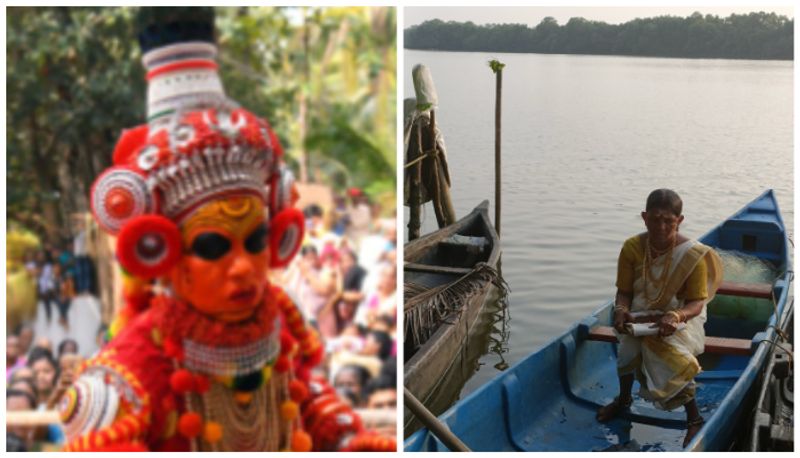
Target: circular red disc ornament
[285,236]
[149,246]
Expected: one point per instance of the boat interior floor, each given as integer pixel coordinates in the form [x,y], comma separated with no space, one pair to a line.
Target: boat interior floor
[585,387]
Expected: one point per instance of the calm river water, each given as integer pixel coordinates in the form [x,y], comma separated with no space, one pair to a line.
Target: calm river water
[585,139]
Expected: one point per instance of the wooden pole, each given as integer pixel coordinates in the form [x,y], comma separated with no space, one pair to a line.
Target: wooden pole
[497,68]
[415,196]
[433,424]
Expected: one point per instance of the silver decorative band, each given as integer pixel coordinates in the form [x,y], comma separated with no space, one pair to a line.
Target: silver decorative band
[232,361]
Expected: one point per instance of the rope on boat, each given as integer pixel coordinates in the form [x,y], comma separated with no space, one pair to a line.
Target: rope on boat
[424,155]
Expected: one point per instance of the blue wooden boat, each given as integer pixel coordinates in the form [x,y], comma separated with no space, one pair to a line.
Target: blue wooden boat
[548,401]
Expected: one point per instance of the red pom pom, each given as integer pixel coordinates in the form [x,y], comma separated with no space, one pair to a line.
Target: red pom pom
[282,364]
[201,383]
[173,349]
[287,342]
[149,246]
[190,424]
[181,381]
[301,441]
[303,373]
[315,357]
[298,391]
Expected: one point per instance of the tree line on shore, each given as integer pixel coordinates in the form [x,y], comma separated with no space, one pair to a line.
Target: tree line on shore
[739,36]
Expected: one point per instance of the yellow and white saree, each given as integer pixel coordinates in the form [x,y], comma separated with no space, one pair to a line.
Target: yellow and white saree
[666,366]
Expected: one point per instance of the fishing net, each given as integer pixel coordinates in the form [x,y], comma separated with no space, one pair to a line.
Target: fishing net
[742,268]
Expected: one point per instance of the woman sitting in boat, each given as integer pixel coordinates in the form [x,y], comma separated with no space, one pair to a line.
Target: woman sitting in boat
[667,279]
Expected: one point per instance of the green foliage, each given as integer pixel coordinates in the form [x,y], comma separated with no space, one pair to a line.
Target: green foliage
[745,36]
[496,65]
[323,77]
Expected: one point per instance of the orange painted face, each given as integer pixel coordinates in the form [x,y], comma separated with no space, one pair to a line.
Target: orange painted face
[223,270]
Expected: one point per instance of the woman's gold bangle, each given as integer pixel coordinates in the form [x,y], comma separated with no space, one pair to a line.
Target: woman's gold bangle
[618,308]
[675,314]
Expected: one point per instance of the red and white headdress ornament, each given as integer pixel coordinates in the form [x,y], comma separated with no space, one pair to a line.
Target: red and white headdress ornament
[197,145]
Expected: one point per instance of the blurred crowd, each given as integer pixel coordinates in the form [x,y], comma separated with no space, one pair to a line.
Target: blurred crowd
[54,275]
[37,375]
[345,280]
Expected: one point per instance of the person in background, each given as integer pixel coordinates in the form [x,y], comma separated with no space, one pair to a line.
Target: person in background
[63,294]
[67,346]
[383,300]
[44,374]
[42,343]
[352,276]
[378,344]
[358,214]
[340,217]
[26,334]
[381,393]
[318,281]
[14,358]
[67,366]
[47,283]
[352,378]
[31,266]
[23,384]
[23,373]
[66,259]
[83,264]
[315,226]
[19,438]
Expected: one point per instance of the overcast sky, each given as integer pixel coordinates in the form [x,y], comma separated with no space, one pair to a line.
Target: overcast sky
[534,14]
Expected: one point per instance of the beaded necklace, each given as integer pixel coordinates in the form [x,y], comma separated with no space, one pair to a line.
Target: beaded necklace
[661,282]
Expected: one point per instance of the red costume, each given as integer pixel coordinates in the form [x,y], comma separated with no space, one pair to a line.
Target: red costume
[208,355]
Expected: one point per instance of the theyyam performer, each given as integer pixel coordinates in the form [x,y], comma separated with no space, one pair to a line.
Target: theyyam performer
[207,354]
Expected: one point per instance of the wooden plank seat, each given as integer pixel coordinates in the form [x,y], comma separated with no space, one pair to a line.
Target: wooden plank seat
[717,345]
[758,290]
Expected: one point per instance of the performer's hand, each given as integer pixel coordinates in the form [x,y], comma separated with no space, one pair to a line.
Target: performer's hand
[667,325]
[620,318]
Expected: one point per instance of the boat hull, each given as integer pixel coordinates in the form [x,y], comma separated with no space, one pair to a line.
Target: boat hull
[423,372]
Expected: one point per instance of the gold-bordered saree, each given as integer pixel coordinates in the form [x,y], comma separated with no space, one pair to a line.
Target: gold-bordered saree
[666,366]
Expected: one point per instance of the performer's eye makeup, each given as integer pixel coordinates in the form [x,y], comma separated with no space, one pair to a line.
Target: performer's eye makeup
[257,240]
[210,246]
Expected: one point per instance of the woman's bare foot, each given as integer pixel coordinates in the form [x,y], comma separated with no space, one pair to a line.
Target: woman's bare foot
[610,411]
[692,428]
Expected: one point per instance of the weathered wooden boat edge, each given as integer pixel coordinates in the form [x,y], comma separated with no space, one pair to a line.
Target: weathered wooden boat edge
[450,335]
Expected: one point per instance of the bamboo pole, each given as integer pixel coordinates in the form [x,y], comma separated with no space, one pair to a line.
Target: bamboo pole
[433,424]
[497,68]
[32,417]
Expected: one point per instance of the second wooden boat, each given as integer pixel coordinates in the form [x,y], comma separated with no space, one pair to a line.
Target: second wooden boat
[449,274]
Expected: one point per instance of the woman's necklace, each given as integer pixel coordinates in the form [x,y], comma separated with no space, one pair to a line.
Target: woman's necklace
[650,254]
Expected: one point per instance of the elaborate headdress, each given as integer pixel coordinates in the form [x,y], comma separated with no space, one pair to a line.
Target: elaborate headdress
[197,145]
